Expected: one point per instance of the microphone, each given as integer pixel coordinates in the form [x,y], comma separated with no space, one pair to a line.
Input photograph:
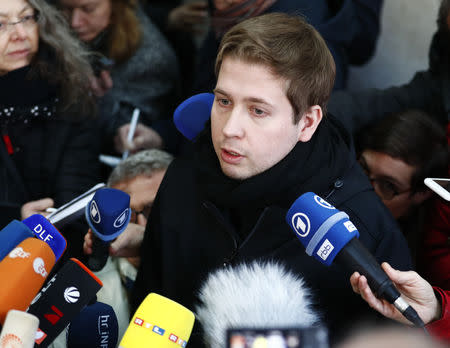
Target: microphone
[63,297]
[328,234]
[12,235]
[19,330]
[95,326]
[45,231]
[24,271]
[191,115]
[159,322]
[255,295]
[108,215]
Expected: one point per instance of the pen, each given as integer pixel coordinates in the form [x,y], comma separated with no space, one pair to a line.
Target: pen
[133,124]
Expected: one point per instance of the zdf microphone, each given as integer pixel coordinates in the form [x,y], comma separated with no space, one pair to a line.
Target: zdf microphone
[159,322]
[327,234]
[108,215]
[19,330]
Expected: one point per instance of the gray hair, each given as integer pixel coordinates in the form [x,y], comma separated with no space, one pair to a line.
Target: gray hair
[144,162]
[70,68]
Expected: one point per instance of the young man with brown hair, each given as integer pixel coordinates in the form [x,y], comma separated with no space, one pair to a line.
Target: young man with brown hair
[268,142]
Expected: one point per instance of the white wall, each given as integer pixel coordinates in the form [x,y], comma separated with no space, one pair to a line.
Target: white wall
[407,27]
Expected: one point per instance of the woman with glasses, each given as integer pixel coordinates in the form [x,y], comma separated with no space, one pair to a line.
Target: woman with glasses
[47,152]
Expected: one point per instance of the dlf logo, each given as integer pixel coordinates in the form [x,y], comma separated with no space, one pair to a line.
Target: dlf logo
[301,224]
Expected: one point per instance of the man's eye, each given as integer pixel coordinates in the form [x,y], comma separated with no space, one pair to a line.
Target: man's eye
[224,102]
[2,25]
[26,18]
[258,112]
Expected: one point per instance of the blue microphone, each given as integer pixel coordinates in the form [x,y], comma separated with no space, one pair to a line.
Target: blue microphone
[12,235]
[108,215]
[327,234]
[95,326]
[44,230]
[191,115]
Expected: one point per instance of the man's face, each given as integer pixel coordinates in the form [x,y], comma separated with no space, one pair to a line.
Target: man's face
[252,125]
[391,179]
[142,190]
[20,42]
[88,18]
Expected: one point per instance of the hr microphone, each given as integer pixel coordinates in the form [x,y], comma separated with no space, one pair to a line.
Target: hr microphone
[12,235]
[108,215]
[159,322]
[19,330]
[63,297]
[255,295]
[23,273]
[192,114]
[95,326]
[45,231]
[328,235]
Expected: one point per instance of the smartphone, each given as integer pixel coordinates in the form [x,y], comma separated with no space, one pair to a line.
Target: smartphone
[312,337]
[439,185]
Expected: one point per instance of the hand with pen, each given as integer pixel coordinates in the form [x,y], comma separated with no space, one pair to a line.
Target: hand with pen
[144,138]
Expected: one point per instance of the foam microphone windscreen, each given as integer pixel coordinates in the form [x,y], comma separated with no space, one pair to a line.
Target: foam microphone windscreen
[63,297]
[95,326]
[44,230]
[11,235]
[19,330]
[23,272]
[255,295]
[159,322]
[192,114]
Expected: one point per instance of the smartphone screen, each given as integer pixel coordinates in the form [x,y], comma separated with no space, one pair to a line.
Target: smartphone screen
[277,338]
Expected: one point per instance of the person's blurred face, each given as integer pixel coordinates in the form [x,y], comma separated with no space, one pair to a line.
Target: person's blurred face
[391,179]
[88,18]
[18,42]
[142,190]
[252,125]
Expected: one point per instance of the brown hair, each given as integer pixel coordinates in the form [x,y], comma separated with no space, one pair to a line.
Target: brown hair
[292,48]
[125,30]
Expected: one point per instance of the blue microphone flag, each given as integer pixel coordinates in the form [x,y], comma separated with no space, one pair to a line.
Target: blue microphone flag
[321,228]
[12,235]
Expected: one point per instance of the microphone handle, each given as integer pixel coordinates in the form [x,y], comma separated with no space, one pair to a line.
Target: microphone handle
[100,252]
[356,257]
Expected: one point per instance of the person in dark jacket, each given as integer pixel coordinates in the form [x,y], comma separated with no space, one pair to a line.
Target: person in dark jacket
[266,144]
[350,28]
[48,152]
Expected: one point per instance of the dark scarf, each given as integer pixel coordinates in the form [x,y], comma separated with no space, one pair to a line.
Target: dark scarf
[223,20]
[24,96]
[311,166]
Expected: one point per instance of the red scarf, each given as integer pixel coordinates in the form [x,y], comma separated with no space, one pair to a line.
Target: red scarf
[222,20]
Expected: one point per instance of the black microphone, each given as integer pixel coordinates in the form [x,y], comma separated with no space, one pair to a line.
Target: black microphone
[329,235]
[62,298]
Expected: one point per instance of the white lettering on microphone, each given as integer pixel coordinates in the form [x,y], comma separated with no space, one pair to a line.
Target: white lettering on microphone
[325,249]
[39,267]
[103,330]
[19,252]
[40,232]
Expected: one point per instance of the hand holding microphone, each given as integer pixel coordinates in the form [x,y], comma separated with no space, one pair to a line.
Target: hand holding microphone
[329,235]
[108,215]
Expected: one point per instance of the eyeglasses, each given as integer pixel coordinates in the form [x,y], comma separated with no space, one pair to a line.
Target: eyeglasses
[383,187]
[28,22]
[145,212]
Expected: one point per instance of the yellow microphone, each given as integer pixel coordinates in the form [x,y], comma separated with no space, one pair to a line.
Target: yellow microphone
[159,322]
[19,330]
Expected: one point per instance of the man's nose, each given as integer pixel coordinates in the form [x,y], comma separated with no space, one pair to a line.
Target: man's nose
[234,126]
[18,31]
[76,18]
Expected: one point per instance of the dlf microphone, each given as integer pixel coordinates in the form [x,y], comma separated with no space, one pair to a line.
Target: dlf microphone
[45,231]
[95,326]
[63,297]
[12,235]
[159,322]
[108,215]
[191,115]
[19,330]
[23,272]
[328,234]
[256,295]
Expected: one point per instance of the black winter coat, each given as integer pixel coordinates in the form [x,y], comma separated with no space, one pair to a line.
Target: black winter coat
[193,230]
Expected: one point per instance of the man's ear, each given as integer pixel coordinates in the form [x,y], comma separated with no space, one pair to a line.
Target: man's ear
[309,122]
[421,196]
